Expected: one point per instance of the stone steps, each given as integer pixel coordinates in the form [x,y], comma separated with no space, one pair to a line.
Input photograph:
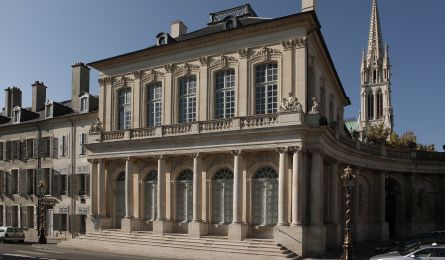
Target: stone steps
[218,247]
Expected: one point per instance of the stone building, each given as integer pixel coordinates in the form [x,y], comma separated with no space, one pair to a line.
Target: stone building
[45,143]
[236,130]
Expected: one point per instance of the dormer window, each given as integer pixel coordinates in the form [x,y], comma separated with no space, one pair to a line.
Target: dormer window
[16,115]
[163,39]
[49,109]
[83,104]
[231,23]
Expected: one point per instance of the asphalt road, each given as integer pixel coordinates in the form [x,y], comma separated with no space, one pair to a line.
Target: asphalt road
[51,251]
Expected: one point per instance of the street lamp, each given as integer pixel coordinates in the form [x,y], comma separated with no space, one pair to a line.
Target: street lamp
[348,182]
[41,202]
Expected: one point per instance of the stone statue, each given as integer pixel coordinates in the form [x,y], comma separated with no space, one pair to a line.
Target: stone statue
[315,106]
[96,127]
[291,104]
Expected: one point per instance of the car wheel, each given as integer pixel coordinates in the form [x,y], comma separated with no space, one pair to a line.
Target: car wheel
[2,240]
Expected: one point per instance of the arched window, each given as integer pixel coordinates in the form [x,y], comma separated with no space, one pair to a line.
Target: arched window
[379,104]
[187,99]
[266,85]
[124,101]
[370,103]
[150,189]
[184,196]
[374,78]
[265,197]
[154,104]
[222,197]
[225,94]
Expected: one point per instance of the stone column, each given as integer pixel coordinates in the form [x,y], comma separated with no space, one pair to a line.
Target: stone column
[236,186]
[296,186]
[93,184]
[197,228]
[381,230]
[160,214]
[101,210]
[196,188]
[282,185]
[128,182]
[316,236]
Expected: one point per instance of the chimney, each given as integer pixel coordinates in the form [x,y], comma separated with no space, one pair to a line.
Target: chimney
[178,28]
[80,83]
[38,96]
[308,5]
[13,98]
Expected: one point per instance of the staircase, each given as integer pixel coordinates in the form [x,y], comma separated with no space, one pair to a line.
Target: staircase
[178,246]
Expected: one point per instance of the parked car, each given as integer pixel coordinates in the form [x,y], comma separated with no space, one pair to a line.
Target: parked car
[423,238]
[431,252]
[12,234]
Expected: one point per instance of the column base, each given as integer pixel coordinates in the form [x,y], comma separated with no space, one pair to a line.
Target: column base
[130,224]
[97,223]
[160,227]
[197,229]
[238,231]
[314,240]
[333,235]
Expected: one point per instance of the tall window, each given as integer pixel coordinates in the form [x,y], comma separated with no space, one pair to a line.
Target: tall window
[154,104]
[266,88]
[222,196]
[370,105]
[82,141]
[187,99]
[150,182]
[124,109]
[225,94]
[265,197]
[184,196]
[84,104]
[379,104]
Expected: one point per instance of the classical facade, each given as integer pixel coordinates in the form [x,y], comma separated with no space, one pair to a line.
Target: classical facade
[375,78]
[45,143]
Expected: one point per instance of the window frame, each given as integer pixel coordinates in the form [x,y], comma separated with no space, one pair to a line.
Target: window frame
[127,107]
[150,112]
[268,87]
[187,116]
[225,90]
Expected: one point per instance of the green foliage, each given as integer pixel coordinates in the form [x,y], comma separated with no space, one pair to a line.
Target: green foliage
[378,134]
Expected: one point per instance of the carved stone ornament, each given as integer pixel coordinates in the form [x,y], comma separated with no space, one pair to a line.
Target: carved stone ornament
[244,53]
[291,104]
[223,61]
[265,53]
[137,74]
[315,106]
[168,68]
[121,81]
[96,127]
[184,69]
[204,61]
[151,76]
[297,42]
[104,81]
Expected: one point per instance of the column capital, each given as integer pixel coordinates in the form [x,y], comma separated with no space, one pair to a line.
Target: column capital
[236,152]
[94,160]
[281,149]
[160,157]
[195,155]
[295,149]
[130,159]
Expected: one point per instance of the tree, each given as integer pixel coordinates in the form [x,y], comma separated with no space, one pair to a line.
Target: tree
[376,134]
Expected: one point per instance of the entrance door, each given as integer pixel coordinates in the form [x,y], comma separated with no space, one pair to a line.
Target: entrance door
[119,200]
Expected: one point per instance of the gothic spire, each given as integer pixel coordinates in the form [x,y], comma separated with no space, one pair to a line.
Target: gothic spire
[375,39]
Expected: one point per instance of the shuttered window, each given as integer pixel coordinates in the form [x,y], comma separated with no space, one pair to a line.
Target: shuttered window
[82,141]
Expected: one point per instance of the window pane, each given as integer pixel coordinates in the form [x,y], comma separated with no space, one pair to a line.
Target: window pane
[225,94]
[266,88]
[124,98]
[154,105]
[187,99]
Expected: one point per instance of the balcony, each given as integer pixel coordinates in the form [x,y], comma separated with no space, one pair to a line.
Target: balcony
[200,127]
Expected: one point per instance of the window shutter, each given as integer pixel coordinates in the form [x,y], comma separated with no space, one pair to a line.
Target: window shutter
[60,151]
[7,151]
[40,177]
[35,152]
[67,145]
[56,221]
[42,147]
[22,182]
[79,150]
[87,184]
[34,218]
[55,148]
[23,150]
[55,183]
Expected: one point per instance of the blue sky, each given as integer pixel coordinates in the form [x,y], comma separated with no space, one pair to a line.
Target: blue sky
[41,39]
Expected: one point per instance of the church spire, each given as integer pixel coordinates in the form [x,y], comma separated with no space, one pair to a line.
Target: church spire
[375,39]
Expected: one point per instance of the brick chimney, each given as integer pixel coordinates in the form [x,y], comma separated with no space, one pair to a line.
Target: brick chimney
[80,83]
[38,96]
[178,28]
[13,98]
[308,5]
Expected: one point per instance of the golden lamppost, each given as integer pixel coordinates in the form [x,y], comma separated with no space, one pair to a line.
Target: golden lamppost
[348,183]
[41,201]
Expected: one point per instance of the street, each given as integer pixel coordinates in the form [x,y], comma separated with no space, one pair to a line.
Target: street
[31,250]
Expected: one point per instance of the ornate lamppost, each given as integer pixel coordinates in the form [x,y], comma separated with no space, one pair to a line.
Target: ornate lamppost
[348,182]
[41,202]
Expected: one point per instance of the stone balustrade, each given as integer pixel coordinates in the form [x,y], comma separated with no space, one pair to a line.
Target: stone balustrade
[231,124]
